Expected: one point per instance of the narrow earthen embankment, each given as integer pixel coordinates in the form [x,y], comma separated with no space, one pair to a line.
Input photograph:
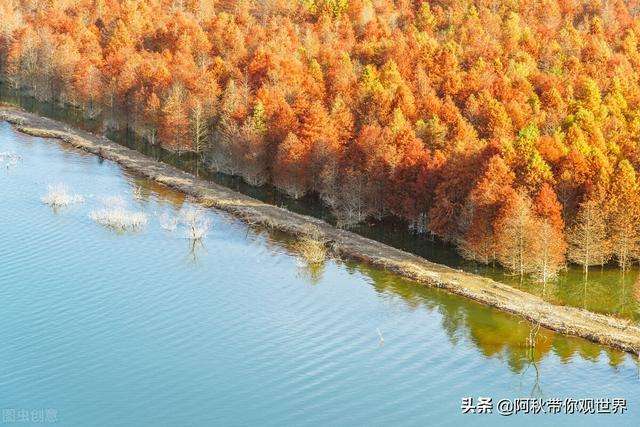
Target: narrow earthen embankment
[621,334]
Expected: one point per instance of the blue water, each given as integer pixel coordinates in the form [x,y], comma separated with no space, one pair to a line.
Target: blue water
[144,328]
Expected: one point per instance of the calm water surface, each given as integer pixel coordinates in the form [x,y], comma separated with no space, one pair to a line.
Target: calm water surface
[146,329]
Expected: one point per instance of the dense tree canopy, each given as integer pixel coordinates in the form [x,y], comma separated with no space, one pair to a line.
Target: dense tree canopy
[510,128]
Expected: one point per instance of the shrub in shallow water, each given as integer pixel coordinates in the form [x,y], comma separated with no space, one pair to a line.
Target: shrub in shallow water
[138,193]
[195,222]
[58,195]
[115,215]
[312,245]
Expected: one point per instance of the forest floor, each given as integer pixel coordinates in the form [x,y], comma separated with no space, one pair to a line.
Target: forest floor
[599,328]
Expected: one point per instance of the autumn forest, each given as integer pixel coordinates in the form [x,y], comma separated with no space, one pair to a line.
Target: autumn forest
[508,128]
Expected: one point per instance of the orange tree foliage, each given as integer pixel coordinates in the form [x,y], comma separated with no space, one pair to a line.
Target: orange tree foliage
[469,119]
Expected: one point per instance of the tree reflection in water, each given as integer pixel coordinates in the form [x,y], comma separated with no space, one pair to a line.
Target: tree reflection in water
[495,334]
[196,247]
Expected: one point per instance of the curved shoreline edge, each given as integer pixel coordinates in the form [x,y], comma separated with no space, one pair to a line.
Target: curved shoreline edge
[602,329]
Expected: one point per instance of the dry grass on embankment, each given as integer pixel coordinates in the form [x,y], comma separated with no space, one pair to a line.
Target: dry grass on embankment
[607,330]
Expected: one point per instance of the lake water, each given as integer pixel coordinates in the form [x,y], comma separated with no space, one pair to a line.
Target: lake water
[105,328]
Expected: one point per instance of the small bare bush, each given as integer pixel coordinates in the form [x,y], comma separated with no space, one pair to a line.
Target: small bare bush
[115,215]
[19,121]
[312,245]
[195,222]
[58,196]
[138,193]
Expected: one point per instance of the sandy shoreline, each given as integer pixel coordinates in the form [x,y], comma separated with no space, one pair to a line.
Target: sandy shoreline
[602,329]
